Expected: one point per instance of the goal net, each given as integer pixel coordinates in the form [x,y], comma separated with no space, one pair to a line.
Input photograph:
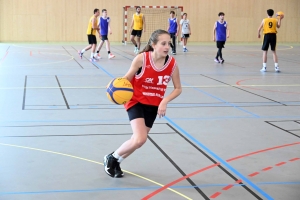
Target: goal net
[156,17]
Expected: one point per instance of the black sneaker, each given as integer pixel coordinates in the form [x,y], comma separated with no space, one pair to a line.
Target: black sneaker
[222,61]
[110,164]
[118,171]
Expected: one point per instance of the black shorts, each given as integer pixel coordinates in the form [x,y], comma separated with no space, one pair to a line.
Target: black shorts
[137,33]
[185,35]
[269,39]
[220,44]
[92,39]
[104,37]
[147,112]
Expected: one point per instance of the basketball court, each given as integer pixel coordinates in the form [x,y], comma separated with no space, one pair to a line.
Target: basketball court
[233,133]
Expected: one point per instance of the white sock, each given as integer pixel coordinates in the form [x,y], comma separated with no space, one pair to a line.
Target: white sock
[120,159]
[184,47]
[117,156]
[92,55]
[264,65]
[95,54]
[83,50]
[276,64]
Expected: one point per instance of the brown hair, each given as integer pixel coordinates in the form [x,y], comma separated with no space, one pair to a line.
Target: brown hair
[154,39]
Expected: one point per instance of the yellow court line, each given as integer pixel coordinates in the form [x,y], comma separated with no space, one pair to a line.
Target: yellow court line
[92,161]
[46,63]
[40,48]
[104,87]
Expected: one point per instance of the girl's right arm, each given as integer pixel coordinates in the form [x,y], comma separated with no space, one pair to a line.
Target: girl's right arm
[135,65]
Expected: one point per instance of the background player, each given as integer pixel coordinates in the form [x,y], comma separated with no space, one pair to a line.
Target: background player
[185,30]
[173,30]
[220,33]
[269,26]
[91,33]
[104,29]
[138,25]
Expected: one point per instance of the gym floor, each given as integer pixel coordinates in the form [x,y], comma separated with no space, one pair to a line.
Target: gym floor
[233,133]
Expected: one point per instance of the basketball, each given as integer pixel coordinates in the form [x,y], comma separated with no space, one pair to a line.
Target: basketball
[119,91]
[280,14]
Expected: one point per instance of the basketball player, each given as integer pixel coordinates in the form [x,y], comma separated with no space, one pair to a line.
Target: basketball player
[104,29]
[185,30]
[173,30]
[269,26]
[220,33]
[138,25]
[91,33]
[149,74]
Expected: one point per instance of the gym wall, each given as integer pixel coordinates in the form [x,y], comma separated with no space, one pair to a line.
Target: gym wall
[66,20]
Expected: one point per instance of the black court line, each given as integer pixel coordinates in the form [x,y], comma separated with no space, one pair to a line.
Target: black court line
[282,129]
[73,57]
[188,103]
[220,166]
[284,121]
[168,107]
[62,92]
[80,125]
[17,136]
[86,58]
[243,90]
[294,130]
[123,55]
[24,93]
[179,169]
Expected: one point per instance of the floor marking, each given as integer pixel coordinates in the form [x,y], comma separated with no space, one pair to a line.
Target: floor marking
[214,165]
[187,86]
[251,175]
[139,188]
[92,161]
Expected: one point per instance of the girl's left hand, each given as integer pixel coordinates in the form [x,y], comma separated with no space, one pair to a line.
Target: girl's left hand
[162,108]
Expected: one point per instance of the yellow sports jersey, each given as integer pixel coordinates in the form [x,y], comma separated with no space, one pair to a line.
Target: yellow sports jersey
[90,30]
[138,22]
[270,25]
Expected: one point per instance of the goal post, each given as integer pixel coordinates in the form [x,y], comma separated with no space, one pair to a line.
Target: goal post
[156,17]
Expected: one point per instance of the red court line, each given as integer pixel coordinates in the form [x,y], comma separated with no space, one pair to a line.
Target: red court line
[178,180]
[281,163]
[254,88]
[212,166]
[215,195]
[267,168]
[2,59]
[253,174]
[227,187]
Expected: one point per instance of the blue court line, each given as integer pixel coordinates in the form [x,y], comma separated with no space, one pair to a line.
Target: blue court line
[140,188]
[219,159]
[208,150]
[126,119]
[206,93]
[99,66]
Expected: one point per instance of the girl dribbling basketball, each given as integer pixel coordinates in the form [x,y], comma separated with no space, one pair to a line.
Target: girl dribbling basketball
[149,75]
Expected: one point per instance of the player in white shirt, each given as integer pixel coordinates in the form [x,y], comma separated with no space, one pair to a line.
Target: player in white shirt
[185,30]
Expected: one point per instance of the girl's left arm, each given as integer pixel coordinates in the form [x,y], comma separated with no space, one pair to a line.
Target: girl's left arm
[175,93]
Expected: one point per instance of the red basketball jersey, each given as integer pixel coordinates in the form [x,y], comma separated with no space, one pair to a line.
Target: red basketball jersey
[149,86]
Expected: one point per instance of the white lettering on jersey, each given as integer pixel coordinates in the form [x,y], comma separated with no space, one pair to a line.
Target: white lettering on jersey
[166,79]
[149,80]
